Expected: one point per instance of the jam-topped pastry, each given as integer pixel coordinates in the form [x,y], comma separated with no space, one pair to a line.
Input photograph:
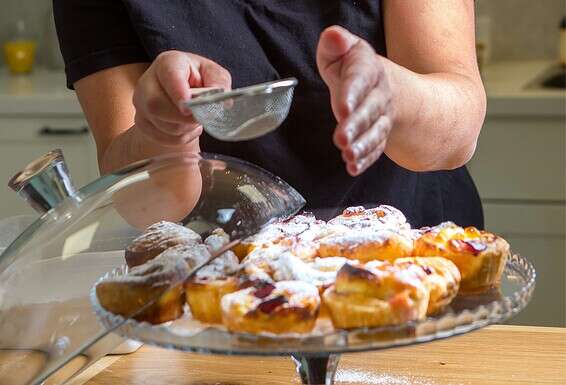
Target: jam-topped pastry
[159,278]
[278,308]
[377,294]
[479,255]
[205,290]
[379,217]
[442,278]
[156,239]
[367,245]
[274,233]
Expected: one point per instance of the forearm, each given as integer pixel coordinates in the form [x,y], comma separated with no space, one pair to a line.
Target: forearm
[437,118]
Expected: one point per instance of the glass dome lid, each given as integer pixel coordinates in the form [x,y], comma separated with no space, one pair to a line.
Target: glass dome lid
[47,326]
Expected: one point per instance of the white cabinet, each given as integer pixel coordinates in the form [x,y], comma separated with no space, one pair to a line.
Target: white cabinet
[22,139]
[519,168]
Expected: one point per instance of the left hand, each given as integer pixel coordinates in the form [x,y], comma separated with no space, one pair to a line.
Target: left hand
[360,96]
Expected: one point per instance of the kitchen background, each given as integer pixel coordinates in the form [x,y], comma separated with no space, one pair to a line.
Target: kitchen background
[519,165]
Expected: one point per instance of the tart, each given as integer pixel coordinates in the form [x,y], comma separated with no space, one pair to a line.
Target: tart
[160,278]
[367,245]
[442,279]
[479,255]
[204,291]
[278,308]
[156,239]
[377,294]
[383,216]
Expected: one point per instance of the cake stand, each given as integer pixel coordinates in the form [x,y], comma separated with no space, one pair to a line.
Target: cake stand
[317,355]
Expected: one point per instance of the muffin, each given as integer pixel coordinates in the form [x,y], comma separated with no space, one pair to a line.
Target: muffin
[278,308]
[367,245]
[205,290]
[479,255]
[377,294]
[156,239]
[160,280]
[442,278]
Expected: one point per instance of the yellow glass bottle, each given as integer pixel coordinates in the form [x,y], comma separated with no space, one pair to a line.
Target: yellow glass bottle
[20,55]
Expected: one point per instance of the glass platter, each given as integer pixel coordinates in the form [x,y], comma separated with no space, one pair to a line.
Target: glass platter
[317,354]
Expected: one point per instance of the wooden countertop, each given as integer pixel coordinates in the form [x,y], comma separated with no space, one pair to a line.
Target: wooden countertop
[493,356]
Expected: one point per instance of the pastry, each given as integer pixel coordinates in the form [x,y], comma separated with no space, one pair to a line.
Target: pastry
[300,232]
[204,291]
[383,216]
[479,255]
[377,294]
[156,239]
[442,279]
[159,279]
[281,307]
[367,245]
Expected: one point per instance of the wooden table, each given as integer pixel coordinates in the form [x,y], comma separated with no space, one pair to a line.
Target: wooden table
[496,355]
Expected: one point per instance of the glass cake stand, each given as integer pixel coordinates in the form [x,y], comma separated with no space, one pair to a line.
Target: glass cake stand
[316,355]
[48,329]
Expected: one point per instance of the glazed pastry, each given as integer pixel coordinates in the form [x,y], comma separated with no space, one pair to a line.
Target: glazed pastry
[282,307]
[442,279]
[162,276]
[206,289]
[367,245]
[156,239]
[377,294]
[379,217]
[479,255]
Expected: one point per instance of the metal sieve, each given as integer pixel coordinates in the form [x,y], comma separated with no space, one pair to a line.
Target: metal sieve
[244,113]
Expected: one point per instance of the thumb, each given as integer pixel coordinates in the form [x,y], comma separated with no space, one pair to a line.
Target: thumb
[334,43]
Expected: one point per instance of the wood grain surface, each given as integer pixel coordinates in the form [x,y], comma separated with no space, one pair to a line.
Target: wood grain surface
[496,355]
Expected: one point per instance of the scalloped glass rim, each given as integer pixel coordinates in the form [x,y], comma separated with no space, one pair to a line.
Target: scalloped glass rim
[518,271]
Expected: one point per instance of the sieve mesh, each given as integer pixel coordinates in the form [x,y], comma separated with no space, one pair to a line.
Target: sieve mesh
[247,114]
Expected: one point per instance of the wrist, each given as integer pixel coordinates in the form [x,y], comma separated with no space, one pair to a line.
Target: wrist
[132,145]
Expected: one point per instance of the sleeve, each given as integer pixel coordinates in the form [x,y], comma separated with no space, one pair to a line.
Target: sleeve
[95,35]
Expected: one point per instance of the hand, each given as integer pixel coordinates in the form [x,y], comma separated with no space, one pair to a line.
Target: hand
[360,96]
[163,88]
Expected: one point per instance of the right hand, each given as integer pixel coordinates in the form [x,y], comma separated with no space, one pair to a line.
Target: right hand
[162,89]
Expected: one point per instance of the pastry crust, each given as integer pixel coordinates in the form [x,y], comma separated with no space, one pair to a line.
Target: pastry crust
[163,276]
[380,217]
[156,239]
[282,307]
[479,255]
[377,294]
[206,289]
[442,278]
[367,245]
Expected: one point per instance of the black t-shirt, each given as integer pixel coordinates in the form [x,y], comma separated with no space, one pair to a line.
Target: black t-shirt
[258,41]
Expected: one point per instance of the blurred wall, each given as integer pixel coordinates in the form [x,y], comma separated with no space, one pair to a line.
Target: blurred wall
[520,29]
[523,29]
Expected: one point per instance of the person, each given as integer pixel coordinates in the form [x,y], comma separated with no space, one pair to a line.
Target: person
[388,108]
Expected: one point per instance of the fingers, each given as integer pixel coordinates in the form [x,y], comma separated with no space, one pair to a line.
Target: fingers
[357,168]
[214,75]
[175,72]
[347,65]
[334,43]
[376,103]
[165,86]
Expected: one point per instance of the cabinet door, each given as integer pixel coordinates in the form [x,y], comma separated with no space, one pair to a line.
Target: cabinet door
[23,140]
[536,231]
[521,158]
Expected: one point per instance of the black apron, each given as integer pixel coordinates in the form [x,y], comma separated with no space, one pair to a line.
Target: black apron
[258,41]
